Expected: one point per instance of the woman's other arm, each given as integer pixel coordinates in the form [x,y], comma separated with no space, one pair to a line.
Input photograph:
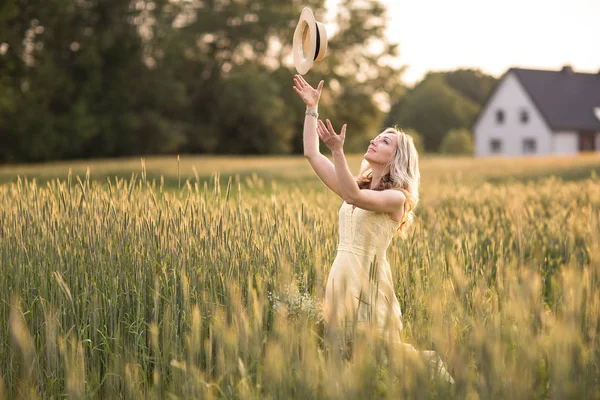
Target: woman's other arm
[372,200]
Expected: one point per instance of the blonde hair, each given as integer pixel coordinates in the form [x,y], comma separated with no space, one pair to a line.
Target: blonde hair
[404,175]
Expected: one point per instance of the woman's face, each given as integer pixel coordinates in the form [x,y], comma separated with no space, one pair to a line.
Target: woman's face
[381,148]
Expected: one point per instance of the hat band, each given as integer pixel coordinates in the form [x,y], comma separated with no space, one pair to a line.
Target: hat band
[318,42]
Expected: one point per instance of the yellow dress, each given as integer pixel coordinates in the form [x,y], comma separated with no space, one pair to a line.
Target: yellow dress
[360,287]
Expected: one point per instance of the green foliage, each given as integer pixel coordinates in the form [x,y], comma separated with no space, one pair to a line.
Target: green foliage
[473,84]
[91,79]
[251,119]
[79,86]
[457,141]
[94,78]
[440,102]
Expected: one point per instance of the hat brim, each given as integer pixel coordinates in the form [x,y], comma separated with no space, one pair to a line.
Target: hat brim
[308,30]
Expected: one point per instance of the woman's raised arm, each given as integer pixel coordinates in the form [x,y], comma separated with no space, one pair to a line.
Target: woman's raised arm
[322,166]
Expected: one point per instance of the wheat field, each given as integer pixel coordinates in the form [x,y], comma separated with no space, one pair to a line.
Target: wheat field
[201,277]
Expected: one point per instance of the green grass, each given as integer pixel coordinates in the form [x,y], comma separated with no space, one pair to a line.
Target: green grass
[208,284]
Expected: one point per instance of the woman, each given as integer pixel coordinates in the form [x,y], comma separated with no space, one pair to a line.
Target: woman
[376,205]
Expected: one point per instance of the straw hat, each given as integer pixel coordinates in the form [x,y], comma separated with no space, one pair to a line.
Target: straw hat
[310,41]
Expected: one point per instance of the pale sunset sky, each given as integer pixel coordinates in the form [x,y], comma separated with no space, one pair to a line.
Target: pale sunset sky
[491,35]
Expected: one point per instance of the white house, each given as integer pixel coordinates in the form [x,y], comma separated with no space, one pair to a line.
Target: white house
[540,112]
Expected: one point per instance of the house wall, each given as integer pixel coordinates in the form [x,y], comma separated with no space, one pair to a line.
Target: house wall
[566,142]
[511,97]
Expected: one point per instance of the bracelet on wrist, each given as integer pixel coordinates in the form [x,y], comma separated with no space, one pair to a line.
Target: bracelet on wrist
[312,112]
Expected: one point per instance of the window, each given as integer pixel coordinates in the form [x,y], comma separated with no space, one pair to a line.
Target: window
[499,116]
[529,146]
[524,116]
[496,146]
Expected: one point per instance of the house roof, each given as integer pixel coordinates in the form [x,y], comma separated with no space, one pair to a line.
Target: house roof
[566,99]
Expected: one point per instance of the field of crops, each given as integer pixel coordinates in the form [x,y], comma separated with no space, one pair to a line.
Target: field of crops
[202,278]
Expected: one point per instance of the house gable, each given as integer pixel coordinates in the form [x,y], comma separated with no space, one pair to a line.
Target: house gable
[515,136]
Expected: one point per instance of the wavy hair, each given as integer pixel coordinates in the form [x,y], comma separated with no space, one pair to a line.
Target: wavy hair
[404,175]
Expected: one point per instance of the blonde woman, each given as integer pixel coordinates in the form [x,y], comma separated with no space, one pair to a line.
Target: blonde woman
[377,204]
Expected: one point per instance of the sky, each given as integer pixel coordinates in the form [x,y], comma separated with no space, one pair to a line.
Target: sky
[492,35]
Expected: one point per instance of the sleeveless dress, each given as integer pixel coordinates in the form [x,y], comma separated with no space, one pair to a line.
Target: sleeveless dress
[360,287]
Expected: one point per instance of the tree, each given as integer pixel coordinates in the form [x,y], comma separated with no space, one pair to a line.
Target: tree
[221,37]
[471,83]
[252,119]
[440,102]
[457,141]
[78,83]
[432,108]
[109,78]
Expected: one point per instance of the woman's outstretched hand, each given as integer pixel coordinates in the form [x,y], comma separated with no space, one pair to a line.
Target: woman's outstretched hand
[306,92]
[329,137]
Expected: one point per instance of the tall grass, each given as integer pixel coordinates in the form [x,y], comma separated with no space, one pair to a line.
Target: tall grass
[126,289]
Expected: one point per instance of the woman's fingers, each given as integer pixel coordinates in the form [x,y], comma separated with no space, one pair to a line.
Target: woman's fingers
[320,87]
[302,82]
[302,79]
[320,132]
[298,82]
[330,127]
[322,125]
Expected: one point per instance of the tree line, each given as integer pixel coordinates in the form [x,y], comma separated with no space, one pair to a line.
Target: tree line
[108,78]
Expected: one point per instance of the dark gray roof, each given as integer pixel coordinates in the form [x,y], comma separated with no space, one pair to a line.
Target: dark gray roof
[565,98]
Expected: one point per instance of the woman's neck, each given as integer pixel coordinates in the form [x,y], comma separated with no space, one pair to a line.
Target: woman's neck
[377,174]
